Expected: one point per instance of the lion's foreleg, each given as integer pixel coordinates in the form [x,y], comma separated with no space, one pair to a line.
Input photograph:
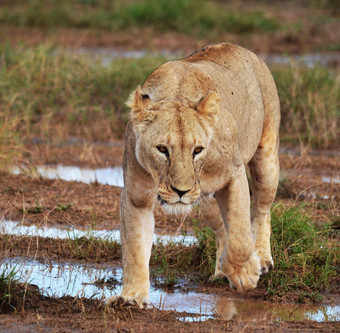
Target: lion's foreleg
[137,226]
[213,217]
[239,260]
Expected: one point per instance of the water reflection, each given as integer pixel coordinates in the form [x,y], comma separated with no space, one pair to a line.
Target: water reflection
[98,281]
[254,311]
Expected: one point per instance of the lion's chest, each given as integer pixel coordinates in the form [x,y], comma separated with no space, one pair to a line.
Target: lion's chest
[213,183]
[215,176]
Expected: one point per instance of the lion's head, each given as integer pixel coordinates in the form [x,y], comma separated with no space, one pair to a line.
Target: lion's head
[172,140]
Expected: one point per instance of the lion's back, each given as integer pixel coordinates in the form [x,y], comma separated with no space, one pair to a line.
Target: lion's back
[246,87]
[222,54]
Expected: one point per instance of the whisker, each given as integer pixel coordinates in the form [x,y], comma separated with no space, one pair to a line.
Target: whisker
[182,222]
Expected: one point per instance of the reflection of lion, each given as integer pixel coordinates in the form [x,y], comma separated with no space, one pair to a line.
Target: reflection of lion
[194,126]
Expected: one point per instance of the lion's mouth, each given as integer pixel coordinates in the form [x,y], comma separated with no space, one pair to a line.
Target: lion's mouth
[176,208]
[164,202]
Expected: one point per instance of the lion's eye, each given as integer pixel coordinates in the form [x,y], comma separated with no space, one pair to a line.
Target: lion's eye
[197,150]
[163,150]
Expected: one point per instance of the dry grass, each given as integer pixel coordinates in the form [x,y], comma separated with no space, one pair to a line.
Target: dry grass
[310,105]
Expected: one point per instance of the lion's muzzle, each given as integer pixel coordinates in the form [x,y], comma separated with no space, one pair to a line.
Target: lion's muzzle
[175,200]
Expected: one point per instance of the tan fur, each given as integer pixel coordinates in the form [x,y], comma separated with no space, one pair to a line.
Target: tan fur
[222,99]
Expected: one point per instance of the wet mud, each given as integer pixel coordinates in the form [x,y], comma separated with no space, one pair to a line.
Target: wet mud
[48,208]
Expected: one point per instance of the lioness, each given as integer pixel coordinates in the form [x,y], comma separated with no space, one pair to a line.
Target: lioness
[194,126]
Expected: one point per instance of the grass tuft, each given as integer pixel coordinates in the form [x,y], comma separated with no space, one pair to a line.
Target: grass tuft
[306,257]
[13,293]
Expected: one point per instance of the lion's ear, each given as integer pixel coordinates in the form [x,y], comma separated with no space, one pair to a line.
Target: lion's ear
[140,103]
[209,106]
[137,99]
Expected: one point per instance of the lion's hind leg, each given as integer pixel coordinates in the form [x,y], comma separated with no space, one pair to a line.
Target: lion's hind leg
[264,170]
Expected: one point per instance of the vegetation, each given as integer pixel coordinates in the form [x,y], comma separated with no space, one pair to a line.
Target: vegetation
[185,16]
[53,94]
[306,256]
[49,93]
[13,293]
[173,261]
[310,105]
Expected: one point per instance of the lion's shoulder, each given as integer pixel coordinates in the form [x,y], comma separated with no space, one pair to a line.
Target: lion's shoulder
[219,53]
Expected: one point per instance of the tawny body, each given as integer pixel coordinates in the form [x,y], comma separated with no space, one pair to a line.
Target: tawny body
[194,126]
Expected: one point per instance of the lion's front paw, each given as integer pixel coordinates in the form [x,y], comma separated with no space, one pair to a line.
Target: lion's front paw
[143,303]
[244,277]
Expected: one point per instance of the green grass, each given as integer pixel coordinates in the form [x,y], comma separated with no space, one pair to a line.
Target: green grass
[306,256]
[13,293]
[186,16]
[92,247]
[7,284]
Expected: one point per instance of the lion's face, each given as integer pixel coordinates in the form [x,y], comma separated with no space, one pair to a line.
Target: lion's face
[172,140]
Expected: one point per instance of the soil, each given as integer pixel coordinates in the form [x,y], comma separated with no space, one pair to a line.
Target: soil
[78,315]
[35,200]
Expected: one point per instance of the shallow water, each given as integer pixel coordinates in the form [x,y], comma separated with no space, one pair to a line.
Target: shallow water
[104,176]
[106,56]
[18,229]
[310,60]
[94,281]
[331,180]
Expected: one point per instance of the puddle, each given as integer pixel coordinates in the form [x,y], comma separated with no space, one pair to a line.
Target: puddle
[297,152]
[104,176]
[18,229]
[309,60]
[331,180]
[57,280]
[106,56]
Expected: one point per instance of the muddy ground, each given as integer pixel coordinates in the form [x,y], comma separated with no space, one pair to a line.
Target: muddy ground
[32,199]
[305,176]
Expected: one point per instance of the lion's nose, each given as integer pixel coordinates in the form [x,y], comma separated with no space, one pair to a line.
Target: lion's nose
[179,192]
